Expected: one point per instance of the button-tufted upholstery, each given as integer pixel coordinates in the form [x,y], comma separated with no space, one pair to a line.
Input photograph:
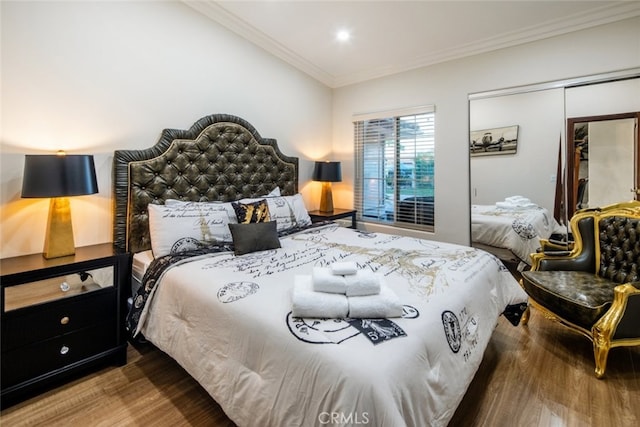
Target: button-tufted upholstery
[595,288]
[220,158]
[619,248]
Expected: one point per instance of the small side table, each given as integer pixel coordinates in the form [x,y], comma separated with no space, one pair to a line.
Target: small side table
[317,216]
[60,317]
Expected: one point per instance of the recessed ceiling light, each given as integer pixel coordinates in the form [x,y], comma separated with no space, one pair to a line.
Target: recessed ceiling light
[343,35]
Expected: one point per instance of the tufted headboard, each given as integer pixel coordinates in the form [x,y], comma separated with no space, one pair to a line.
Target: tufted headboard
[220,158]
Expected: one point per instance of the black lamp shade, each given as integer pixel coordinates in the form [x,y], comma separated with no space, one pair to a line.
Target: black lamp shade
[327,172]
[59,176]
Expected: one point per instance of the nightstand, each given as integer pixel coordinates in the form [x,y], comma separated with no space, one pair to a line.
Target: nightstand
[317,216]
[60,317]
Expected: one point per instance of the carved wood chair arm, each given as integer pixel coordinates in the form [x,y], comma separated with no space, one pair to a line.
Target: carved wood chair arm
[622,320]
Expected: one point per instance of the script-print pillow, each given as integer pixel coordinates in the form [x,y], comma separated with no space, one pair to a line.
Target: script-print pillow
[185,226]
[219,206]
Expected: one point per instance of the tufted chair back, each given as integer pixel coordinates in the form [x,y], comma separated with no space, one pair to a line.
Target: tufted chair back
[619,239]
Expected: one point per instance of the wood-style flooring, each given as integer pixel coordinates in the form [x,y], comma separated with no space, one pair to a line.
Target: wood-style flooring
[535,375]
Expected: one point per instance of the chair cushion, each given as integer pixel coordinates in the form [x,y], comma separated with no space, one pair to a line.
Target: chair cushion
[577,296]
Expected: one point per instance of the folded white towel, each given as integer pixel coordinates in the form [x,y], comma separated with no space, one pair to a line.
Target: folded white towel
[383,305]
[364,282]
[344,268]
[517,199]
[325,281]
[515,202]
[308,303]
[515,206]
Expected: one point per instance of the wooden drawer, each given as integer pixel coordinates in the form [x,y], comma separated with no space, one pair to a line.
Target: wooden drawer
[28,362]
[29,325]
[58,287]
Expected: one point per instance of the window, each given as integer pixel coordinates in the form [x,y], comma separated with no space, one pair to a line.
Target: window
[394,171]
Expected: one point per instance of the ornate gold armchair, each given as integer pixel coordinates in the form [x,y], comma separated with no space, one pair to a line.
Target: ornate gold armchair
[595,287]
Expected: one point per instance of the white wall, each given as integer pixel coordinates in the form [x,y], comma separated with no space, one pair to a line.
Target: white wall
[93,77]
[593,51]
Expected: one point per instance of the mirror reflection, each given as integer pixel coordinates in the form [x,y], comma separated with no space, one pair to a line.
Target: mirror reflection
[602,160]
[514,195]
[577,147]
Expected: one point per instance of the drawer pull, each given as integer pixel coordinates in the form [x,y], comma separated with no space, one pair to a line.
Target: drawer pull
[64,320]
[64,286]
[64,350]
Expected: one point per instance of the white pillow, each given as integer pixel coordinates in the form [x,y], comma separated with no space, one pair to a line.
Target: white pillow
[288,211]
[299,210]
[227,205]
[187,225]
[274,193]
[218,206]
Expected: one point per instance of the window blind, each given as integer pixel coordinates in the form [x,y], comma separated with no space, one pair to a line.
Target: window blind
[394,170]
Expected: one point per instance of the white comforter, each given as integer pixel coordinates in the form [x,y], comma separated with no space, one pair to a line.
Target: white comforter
[518,229]
[226,319]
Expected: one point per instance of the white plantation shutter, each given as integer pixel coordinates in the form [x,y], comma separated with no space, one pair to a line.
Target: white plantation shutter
[394,170]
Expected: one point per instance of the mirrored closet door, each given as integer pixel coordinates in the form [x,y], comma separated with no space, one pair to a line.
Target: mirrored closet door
[575,145]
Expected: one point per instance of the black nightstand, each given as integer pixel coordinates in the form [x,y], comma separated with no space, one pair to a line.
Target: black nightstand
[317,216]
[60,317]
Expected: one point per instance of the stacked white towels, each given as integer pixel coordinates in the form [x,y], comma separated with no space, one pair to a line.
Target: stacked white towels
[309,303]
[364,282]
[345,278]
[344,268]
[382,305]
[327,290]
[516,202]
[325,281]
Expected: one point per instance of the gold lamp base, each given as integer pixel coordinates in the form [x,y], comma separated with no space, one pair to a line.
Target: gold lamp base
[58,241]
[326,198]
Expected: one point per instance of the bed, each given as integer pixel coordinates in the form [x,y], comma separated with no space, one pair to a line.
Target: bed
[512,232]
[227,318]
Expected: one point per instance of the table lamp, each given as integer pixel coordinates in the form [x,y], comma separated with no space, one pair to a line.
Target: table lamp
[326,172]
[59,177]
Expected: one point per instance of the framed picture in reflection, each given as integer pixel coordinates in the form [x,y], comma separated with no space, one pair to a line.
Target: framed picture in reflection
[495,141]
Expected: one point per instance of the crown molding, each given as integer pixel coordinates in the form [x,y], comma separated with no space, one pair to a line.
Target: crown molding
[217,13]
[579,21]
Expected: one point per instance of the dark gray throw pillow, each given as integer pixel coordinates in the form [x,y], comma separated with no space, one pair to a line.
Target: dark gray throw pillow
[254,237]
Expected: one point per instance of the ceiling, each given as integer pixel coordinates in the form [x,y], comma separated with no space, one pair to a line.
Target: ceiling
[392,36]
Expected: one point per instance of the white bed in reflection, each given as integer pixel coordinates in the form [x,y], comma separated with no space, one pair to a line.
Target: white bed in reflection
[511,232]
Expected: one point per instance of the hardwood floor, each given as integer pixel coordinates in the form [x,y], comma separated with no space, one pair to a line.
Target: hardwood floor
[542,374]
[536,375]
